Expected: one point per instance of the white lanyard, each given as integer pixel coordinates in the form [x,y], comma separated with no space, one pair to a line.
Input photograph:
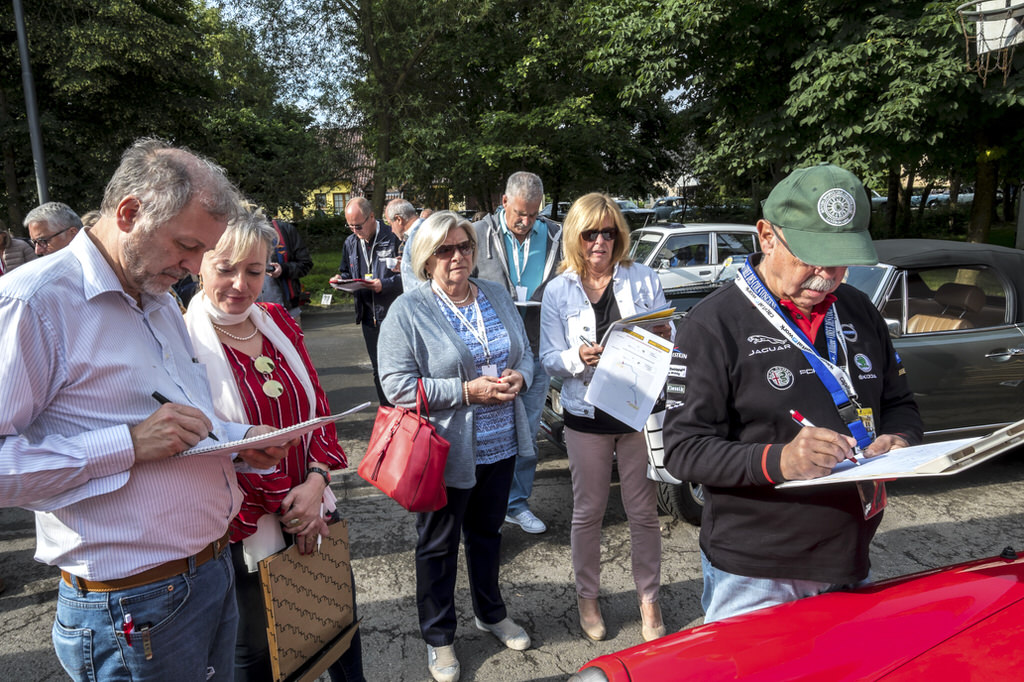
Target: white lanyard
[520,271]
[368,257]
[841,374]
[480,332]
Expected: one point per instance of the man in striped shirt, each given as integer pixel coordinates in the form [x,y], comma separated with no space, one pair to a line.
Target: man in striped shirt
[95,344]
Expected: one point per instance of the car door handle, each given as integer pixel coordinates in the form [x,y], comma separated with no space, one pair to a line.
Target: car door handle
[1009,352]
[704,272]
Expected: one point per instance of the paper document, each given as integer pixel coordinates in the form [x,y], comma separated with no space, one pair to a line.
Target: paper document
[279,437]
[350,285]
[651,318]
[630,375]
[931,459]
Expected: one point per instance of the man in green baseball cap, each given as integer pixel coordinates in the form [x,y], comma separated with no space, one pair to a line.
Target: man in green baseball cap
[783,375]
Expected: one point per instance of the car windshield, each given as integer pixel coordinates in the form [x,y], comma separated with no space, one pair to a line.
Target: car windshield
[643,244]
[627,205]
[867,278]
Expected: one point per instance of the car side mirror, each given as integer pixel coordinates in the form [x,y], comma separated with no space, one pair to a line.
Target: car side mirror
[664,263]
[895,331]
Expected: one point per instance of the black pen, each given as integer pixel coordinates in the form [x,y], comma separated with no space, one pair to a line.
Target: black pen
[159,397]
[584,340]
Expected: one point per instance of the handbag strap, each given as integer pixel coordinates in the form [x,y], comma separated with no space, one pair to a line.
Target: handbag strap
[421,399]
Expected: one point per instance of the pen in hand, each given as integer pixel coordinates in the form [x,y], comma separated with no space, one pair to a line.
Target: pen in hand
[159,397]
[804,421]
[584,340]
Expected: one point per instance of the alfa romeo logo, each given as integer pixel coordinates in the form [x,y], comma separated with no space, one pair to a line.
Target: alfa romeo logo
[837,207]
[780,377]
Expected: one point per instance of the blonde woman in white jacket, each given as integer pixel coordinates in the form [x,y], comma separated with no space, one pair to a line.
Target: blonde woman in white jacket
[599,285]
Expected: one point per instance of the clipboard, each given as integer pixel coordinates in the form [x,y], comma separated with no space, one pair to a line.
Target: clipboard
[931,459]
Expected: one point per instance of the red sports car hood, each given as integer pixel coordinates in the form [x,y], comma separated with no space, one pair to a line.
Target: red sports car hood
[957,621]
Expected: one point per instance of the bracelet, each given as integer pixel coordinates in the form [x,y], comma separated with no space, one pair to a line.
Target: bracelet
[323,472]
[465,391]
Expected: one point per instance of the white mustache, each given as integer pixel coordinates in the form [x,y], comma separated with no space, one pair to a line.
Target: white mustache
[818,283]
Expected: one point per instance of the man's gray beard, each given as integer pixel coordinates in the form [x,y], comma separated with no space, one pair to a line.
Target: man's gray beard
[818,283]
[135,271]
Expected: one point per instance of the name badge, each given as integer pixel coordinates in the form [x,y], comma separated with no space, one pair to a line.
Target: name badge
[490,370]
[520,293]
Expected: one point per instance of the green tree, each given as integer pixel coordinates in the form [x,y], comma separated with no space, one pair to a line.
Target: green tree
[108,73]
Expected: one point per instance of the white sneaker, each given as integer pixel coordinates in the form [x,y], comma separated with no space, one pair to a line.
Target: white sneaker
[443,665]
[508,632]
[528,521]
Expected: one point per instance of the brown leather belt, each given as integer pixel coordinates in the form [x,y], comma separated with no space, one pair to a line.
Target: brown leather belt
[152,575]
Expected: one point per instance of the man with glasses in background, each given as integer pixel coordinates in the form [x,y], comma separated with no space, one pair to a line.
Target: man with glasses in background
[51,227]
[521,250]
[365,256]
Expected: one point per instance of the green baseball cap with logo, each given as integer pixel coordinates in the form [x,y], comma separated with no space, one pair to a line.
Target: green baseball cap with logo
[824,214]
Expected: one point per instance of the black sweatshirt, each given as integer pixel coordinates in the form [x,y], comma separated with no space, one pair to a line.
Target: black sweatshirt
[732,383]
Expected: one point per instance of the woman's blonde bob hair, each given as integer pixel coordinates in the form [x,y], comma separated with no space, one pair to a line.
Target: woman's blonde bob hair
[431,234]
[244,233]
[588,213]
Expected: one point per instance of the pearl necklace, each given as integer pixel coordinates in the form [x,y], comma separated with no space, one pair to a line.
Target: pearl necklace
[469,297]
[255,331]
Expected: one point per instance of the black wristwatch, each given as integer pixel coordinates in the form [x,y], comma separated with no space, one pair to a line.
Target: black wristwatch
[323,472]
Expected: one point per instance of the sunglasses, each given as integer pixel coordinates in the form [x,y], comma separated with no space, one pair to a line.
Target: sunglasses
[448,250]
[609,234]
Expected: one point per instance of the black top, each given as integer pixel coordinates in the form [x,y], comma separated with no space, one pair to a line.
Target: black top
[732,383]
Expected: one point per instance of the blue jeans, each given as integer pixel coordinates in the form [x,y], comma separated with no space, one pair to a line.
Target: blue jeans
[526,462]
[192,619]
[727,594]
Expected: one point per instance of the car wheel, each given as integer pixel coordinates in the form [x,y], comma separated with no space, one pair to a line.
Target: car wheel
[684,501]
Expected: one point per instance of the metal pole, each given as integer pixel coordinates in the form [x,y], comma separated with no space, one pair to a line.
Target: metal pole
[34,133]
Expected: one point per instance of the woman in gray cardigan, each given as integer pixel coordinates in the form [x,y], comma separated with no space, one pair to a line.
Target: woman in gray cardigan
[466,341]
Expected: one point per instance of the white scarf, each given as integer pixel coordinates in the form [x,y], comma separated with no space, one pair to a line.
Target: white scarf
[227,401]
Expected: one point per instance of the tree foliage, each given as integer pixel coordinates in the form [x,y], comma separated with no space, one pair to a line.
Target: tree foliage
[878,86]
[107,73]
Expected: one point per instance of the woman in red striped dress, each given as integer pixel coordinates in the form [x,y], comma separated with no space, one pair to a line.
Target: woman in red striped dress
[260,373]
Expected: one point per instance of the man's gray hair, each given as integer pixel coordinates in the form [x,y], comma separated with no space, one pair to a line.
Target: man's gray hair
[56,214]
[399,207]
[526,186]
[164,179]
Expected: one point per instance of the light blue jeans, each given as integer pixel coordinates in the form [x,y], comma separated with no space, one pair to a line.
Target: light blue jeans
[192,619]
[727,594]
[526,462]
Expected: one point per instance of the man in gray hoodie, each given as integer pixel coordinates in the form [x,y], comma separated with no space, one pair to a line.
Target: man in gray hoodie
[521,250]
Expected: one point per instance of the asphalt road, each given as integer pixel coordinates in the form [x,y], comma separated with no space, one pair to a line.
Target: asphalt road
[928,524]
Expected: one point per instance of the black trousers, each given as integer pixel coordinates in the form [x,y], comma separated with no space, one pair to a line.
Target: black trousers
[371,332]
[477,513]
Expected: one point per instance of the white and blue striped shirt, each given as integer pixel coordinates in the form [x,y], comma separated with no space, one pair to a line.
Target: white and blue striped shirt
[80,361]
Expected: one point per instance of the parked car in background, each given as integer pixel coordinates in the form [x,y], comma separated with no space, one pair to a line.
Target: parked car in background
[636,217]
[664,207]
[961,622]
[563,208]
[687,254]
[966,196]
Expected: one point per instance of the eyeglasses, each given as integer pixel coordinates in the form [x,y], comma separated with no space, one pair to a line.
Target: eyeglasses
[265,366]
[448,250]
[609,234]
[359,226]
[45,241]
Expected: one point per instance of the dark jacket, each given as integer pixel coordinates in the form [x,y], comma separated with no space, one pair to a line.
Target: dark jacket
[730,389]
[492,264]
[295,262]
[371,307]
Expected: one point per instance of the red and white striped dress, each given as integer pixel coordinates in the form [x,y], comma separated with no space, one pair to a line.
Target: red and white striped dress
[265,492]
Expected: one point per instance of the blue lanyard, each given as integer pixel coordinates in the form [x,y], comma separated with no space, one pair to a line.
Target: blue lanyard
[845,401]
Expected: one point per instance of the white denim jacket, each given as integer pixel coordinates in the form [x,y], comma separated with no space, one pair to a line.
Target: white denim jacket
[566,315]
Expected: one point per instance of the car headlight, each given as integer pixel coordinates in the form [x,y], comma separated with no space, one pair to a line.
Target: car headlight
[589,675]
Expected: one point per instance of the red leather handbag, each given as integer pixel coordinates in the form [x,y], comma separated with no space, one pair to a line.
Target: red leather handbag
[406,457]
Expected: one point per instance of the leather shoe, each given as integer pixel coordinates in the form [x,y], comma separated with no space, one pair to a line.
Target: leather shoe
[591,621]
[652,626]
